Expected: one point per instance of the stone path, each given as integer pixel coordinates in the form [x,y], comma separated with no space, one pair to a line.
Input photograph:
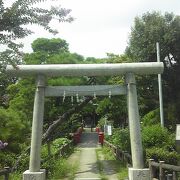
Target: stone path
[108,168]
[88,166]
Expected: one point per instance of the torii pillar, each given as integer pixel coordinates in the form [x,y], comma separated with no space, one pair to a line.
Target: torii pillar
[137,172]
[34,171]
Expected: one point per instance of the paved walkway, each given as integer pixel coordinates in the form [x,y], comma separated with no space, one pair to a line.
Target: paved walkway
[88,167]
[87,157]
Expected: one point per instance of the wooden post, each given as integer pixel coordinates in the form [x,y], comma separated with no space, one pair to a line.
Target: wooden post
[49,148]
[174,175]
[123,157]
[151,168]
[169,177]
[161,171]
[6,175]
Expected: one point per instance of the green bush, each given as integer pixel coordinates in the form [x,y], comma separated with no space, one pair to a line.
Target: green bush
[156,136]
[23,163]
[161,154]
[102,122]
[15,176]
[13,130]
[54,146]
[158,143]
[7,159]
[61,168]
[151,118]
[121,139]
[74,123]
[56,167]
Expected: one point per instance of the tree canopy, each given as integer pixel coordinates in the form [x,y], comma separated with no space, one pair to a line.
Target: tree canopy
[55,45]
[151,28]
[147,30]
[17,95]
[14,19]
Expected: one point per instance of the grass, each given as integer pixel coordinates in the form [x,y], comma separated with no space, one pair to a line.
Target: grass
[58,168]
[120,167]
[100,165]
[15,176]
[63,169]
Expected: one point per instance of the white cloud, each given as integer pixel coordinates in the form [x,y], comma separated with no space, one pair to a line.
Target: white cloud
[101,25]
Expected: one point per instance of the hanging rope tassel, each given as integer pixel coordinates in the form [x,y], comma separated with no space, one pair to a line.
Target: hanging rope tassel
[95,95]
[77,97]
[72,100]
[109,94]
[64,96]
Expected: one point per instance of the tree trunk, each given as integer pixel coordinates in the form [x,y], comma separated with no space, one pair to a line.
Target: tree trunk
[53,127]
[63,118]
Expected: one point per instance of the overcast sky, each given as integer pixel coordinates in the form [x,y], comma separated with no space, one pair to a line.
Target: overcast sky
[101,26]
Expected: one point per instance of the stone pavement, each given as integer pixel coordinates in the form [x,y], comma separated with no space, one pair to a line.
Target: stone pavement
[88,166]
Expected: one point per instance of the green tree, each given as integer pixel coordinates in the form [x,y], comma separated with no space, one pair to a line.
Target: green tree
[114,108]
[17,117]
[13,129]
[50,46]
[21,94]
[147,30]
[14,19]
[24,12]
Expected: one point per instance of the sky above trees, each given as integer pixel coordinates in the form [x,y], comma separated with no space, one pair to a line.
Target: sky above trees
[101,26]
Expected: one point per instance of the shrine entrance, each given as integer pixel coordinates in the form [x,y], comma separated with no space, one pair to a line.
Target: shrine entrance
[129,70]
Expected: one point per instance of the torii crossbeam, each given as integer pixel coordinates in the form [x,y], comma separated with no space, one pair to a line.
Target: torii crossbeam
[127,69]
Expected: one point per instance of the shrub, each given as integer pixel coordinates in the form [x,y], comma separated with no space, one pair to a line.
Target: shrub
[121,138]
[56,167]
[74,123]
[55,146]
[23,163]
[7,159]
[161,154]
[151,118]
[158,142]
[156,136]
[102,122]
[12,129]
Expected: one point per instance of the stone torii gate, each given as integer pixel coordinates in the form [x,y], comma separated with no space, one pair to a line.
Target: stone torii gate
[138,171]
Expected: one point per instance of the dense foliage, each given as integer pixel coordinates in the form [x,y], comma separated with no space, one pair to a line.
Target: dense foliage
[56,165]
[147,30]
[17,114]
[158,143]
[14,18]
[23,12]
[17,95]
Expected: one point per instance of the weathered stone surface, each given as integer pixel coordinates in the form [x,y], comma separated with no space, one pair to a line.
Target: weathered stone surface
[139,174]
[27,175]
